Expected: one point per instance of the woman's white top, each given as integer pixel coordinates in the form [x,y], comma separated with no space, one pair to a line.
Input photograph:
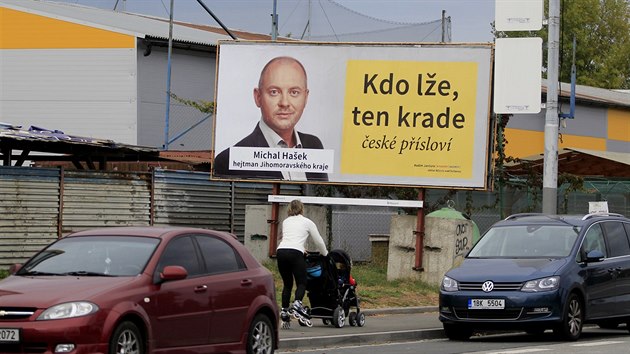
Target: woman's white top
[295,232]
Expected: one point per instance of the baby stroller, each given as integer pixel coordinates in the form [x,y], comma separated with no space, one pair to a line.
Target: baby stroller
[331,289]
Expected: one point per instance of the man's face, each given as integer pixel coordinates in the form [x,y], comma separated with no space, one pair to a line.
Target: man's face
[282,95]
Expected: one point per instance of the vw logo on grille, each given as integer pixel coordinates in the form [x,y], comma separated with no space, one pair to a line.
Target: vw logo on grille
[487,286]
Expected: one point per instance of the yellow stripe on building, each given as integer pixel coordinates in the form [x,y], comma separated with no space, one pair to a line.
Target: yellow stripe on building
[21,30]
[582,142]
[618,125]
[525,143]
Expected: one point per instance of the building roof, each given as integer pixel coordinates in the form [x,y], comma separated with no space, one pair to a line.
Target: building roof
[189,157]
[593,95]
[579,162]
[18,145]
[141,26]
[48,148]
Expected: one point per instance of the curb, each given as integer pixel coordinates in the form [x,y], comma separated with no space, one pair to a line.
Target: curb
[399,310]
[316,342]
[359,339]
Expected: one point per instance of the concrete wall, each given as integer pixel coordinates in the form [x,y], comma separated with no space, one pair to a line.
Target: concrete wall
[402,248]
[446,241]
[445,245]
[257,228]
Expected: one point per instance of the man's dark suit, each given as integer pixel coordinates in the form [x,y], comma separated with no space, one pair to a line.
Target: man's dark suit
[257,139]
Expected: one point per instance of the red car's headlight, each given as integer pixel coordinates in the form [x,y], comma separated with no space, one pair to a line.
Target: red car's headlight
[68,310]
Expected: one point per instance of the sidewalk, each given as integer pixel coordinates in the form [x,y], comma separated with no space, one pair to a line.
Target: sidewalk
[381,326]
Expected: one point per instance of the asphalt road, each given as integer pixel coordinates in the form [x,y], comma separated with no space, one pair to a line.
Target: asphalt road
[594,340]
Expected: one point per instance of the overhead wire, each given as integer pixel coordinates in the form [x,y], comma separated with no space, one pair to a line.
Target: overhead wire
[327,19]
[290,14]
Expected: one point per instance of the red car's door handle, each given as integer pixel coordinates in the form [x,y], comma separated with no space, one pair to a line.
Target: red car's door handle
[246,282]
[201,288]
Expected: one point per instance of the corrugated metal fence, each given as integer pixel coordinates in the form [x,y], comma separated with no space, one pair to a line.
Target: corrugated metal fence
[29,211]
[39,205]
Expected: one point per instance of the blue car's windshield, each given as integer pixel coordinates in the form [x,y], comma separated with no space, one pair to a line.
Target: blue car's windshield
[526,241]
[92,256]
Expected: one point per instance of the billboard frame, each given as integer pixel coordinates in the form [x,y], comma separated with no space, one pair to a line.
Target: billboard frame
[484,130]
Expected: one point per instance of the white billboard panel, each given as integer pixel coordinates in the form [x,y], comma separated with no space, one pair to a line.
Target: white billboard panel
[387,114]
[518,15]
[517,75]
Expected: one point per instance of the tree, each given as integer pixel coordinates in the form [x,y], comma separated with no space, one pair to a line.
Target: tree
[602,32]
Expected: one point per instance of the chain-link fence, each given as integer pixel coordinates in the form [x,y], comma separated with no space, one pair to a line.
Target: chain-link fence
[189,128]
[351,226]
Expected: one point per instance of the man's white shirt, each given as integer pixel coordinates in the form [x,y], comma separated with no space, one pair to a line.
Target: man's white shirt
[275,141]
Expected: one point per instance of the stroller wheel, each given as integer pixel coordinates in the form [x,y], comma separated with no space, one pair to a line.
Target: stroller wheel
[352,318]
[325,321]
[360,319]
[339,317]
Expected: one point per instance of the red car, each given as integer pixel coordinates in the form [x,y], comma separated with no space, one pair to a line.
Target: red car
[137,290]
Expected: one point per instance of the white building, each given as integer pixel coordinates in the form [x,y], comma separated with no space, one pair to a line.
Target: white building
[103,74]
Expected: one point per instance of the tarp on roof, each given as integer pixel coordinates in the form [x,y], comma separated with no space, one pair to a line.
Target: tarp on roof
[620,157]
[579,162]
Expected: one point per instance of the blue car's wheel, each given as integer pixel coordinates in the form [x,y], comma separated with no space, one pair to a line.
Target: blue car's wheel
[572,320]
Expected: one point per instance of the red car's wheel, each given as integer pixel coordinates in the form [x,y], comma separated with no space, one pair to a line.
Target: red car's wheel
[260,338]
[127,339]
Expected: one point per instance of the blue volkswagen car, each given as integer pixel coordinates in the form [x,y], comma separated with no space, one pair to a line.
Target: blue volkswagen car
[535,272]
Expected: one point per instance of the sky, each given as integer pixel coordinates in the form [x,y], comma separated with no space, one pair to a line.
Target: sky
[470,19]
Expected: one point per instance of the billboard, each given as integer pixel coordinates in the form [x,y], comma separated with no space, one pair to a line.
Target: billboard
[385,114]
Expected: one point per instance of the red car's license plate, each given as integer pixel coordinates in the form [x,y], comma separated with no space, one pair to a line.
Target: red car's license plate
[9,335]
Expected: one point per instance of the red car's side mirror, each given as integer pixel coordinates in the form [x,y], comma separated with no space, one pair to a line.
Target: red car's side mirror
[173,272]
[14,268]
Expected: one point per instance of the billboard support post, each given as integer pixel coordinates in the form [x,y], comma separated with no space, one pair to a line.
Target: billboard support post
[419,233]
[273,223]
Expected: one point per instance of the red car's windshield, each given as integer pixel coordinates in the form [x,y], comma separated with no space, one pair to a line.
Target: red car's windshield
[93,256]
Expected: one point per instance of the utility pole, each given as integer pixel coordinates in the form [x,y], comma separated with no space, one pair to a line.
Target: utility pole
[443,26]
[274,22]
[550,176]
[168,78]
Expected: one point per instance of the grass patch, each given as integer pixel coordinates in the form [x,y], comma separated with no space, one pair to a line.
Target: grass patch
[375,290]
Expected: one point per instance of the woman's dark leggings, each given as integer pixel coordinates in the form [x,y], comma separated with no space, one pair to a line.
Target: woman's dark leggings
[291,264]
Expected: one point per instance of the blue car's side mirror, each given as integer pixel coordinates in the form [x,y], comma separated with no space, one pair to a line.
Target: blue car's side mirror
[595,256]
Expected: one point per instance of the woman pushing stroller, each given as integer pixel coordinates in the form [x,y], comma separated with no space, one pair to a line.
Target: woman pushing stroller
[296,230]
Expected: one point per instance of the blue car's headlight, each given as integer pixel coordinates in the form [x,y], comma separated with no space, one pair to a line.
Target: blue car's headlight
[68,310]
[544,284]
[449,284]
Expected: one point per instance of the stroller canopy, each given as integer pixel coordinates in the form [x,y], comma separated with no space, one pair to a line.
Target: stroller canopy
[341,259]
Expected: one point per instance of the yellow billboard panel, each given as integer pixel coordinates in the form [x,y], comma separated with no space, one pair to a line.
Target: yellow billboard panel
[409,118]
